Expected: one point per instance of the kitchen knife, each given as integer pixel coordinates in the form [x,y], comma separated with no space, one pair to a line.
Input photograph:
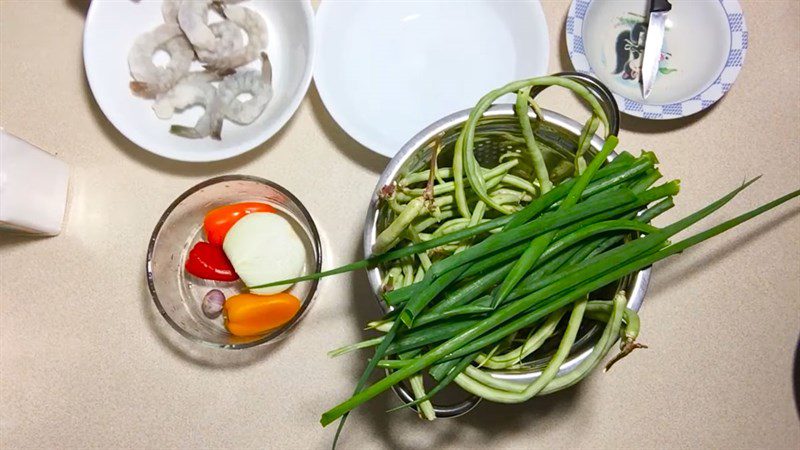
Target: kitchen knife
[653,42]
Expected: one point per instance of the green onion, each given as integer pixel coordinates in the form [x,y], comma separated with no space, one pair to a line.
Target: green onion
[574,287]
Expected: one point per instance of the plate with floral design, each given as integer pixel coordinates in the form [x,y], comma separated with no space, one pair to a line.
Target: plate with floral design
[704,49]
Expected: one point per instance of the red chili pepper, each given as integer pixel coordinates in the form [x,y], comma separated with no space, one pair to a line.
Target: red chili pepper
[219,220]
[209,262]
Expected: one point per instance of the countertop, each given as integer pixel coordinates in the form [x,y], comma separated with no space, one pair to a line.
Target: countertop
[86,361]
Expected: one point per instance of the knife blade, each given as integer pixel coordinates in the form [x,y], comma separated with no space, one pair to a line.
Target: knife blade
[654,39]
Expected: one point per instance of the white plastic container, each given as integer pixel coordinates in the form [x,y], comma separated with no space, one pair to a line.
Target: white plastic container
[33,187]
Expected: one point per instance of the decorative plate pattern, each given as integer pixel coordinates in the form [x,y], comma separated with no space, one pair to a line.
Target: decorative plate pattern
[695,104]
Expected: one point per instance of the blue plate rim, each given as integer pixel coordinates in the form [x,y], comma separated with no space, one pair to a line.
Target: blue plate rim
[710,95]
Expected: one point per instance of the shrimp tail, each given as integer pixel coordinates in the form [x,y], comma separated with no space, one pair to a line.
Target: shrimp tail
[216,130]
[183,131]
[266,68]
[221,72]
[219,7]
[142,89]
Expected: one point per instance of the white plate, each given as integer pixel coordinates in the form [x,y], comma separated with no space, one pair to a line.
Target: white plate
[704,48]
[111,27]
[386,69]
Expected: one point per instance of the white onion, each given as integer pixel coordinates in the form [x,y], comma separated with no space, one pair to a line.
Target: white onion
[263,247]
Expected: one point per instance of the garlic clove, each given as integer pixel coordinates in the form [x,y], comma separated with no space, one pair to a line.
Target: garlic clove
[213,302]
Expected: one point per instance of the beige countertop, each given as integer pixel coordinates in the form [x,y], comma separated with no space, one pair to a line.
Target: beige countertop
[85,361]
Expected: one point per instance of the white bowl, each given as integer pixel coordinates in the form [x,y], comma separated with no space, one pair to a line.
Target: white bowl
[386,69]
[112,26]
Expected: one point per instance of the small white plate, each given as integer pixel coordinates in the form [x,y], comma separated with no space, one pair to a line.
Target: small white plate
[386,69]
[113,25]
[704,48]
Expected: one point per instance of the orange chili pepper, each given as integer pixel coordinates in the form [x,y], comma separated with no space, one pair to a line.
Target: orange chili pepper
[219,220]
[251,314]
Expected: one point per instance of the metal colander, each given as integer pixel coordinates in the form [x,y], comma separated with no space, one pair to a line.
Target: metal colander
[558,136]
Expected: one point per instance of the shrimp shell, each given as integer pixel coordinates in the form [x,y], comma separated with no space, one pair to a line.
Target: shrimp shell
[253,24]
[169,10]
[206,76]
[252,82]
[229,40]
[152,79]
[190,93]
[193,19]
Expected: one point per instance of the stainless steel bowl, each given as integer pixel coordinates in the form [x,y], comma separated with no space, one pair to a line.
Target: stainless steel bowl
[556,129]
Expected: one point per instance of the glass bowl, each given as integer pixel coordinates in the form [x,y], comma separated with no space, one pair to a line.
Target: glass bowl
[178,294]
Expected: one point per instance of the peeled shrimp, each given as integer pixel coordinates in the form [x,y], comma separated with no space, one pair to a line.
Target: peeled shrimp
[169,10]
[184,95]
[206,76]
[229,41]
[256,29]
[193,19]
[258,85]
[151,79]
[187,35]
[187,93]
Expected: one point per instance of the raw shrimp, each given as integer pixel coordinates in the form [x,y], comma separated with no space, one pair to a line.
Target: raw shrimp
[229,40]
[151,79]
[193,19]
[253,24]
[206,76]
[188,92]
[169,10]
[258,85]
[185,94]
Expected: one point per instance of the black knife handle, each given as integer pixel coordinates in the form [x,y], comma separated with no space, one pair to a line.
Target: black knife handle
[660,6]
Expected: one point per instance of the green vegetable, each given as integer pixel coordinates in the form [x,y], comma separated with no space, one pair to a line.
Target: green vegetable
[569,289]
[490,266]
